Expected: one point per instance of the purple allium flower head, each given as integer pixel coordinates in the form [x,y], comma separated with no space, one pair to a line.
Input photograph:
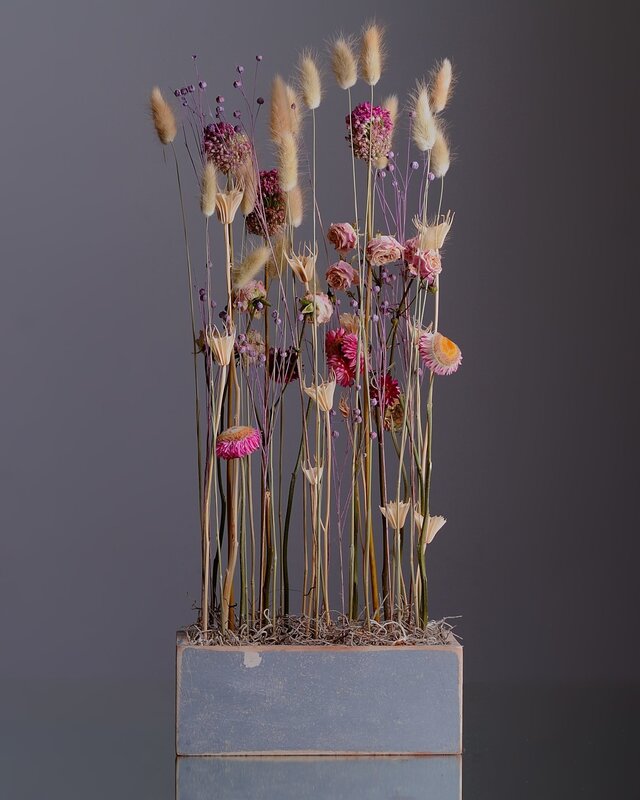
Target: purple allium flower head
[372,129]
[225,146]
[273,204]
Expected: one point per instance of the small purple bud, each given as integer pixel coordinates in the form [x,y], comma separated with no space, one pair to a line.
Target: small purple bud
[335,434]
[237,114]
[374,401]
[177,92]
[259,305]
[184,91]
[354,304]
[431,176]
[219,109]
[415,165]
[191,88]
[237,128]
[194,56]
[338,301]
[237,84]
[214,304]
[239,69]
[184,103]
[382,173]
[376,289]
[258,58]
[203,84]
[222,314]
[332,413]
[202,294]
[278,321]
[373,435]
[375,317]
[391,168]
[260,101]
[263,358]
[274,315]
[300,317]
[220,99]
[390,154]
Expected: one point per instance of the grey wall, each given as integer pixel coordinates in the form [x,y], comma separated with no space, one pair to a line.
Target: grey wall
[536,434]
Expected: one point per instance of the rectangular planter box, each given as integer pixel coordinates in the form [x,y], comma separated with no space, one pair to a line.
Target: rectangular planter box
[292,700]
[319,778]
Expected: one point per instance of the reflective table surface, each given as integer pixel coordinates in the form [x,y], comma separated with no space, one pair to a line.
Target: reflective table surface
[116,741]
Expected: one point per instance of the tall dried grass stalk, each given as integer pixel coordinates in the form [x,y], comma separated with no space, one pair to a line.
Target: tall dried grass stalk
[441,85]
[254,262]
[372,53]
[209,189]
[288,161]
[164,120]
[344,63]
[440,153]
[310,82]
[424,128]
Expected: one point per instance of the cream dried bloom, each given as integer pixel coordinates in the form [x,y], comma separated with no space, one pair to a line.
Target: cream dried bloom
[221,344]
[434,524]
[227,203]
[303,264]
[432,236]
[322,393]
[395,512]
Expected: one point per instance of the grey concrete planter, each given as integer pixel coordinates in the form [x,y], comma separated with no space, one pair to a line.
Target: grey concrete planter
[318,700]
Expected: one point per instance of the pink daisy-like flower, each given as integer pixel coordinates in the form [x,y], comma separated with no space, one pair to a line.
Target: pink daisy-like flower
[440,354]
[237,442]
[342,354]
[387,394]
[425,264]
[225,146]
[370,130]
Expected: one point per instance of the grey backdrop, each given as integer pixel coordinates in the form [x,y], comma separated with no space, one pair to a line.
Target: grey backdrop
[537,434]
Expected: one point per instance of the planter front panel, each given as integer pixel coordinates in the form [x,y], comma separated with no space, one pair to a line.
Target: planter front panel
[319,700]
[307,778]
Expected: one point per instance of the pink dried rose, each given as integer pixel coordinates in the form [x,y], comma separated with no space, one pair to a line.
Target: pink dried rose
[237,442]
[317,304]
[251,298]
[383,250]
[342,354]
[425,264]
[342,236]
[341,275]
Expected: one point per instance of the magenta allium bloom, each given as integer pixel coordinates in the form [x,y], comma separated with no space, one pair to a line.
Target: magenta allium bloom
[341,275]
[342,236]
[237,442]
[425,264]
[440,354]
[342,354]
[383,250]
[270,212]
[318,303]
[226,147]
[386,395]
[372,129]
[251,298]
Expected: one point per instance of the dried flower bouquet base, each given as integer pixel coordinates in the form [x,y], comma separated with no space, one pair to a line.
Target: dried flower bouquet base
[318,700]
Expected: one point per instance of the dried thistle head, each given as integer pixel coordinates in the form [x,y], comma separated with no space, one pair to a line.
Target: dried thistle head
[432,236]
[283,117]
[253,263]
[441,85]
[295,206]
[164,120]
[208,189]
[372,53]
[440,153]
[423,128]
[310,82]
[288,161]
[343,62]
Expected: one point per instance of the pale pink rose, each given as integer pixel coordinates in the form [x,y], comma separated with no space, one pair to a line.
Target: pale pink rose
[342,236]
[341,275]
[383,250]
[425,264]
[318,304]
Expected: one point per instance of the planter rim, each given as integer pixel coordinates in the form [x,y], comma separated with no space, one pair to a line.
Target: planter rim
[451,644]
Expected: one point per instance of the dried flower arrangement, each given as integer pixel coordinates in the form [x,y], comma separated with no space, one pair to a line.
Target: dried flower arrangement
[335,405]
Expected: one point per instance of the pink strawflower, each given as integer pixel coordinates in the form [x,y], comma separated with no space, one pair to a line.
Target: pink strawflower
[440,354]
[341,275]
[342,236]
[425,264]
[271,208]
[370,131]
[237,442]
[251,298]
[226,147]
[318,304]
[383,250]
[387,394]
[342,354]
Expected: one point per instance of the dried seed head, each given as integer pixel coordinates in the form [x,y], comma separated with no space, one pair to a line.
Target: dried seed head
[288,162]
[163,117]
[253,263]
[372,54]
[440,154]
[296,206]
[343,62]
[441,85]
[310,83]
[424,128]
[209,189]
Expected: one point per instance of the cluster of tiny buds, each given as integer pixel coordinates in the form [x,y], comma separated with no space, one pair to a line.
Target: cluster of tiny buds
[275,316]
